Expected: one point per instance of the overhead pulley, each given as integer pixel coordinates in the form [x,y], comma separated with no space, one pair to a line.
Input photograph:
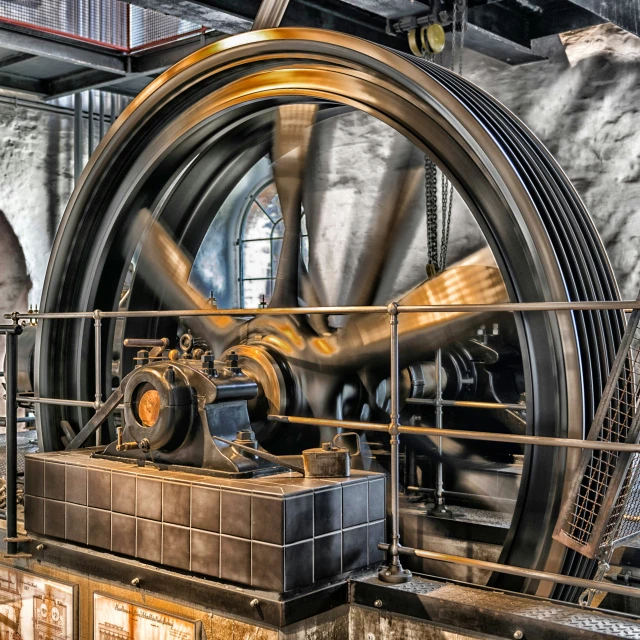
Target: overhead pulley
[428,40]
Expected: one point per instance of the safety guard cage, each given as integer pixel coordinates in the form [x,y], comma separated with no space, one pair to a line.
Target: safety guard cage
[602,510]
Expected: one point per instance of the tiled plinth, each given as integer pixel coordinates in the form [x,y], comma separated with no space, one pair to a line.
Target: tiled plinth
[276,533]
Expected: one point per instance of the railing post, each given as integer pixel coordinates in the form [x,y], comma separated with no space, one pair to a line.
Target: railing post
[394,572]
[439,508]
[11,435]
[97,332]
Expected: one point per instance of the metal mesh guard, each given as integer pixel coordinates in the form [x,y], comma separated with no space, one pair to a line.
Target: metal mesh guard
[603,508]
[109,23]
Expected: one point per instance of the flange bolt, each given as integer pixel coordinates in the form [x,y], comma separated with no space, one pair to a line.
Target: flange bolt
[208,364]
[232,363]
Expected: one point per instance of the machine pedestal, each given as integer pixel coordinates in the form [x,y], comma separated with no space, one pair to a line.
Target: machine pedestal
[279,533]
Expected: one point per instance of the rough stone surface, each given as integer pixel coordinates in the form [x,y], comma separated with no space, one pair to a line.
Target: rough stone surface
[36,179]
[34,187]
[586,113]
[14,280]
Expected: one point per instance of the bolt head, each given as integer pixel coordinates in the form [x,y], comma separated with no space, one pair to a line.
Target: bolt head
[208,362]
[377,604]
[135,582]
[40,547]
[518,635]
[255,603]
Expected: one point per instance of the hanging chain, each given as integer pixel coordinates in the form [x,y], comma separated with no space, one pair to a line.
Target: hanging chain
[431,200]
[431,203]
[437,260]
[447,207]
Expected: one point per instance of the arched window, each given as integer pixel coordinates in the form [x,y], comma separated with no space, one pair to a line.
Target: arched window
[259,244]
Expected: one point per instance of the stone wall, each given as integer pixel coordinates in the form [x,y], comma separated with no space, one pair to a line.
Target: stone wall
[36,179]
[36,165]
[584,106]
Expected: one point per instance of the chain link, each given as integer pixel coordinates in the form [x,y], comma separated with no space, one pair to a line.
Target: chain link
[437,260]
[431,199]
[447,208]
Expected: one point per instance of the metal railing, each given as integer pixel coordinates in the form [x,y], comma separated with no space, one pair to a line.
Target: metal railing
[393,572]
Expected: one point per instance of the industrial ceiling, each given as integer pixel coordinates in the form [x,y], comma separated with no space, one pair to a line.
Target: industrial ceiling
[52,63]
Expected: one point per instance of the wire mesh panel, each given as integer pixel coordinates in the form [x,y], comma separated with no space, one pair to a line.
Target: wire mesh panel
[109,23]
[100,21]
[149,28]
[603,507]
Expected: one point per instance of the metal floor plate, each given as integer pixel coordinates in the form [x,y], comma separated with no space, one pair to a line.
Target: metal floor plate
[493,611]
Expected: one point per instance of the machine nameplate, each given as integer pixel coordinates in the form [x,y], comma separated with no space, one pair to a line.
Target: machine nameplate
[121,620]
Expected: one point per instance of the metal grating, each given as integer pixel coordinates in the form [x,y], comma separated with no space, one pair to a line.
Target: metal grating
[150,28]
[109,23]
[27,443]
[536,618]
[603,507]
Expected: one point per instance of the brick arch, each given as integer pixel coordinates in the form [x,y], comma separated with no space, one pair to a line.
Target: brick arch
[15,282]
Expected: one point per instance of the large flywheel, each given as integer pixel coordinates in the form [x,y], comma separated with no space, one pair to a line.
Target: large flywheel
[168,168]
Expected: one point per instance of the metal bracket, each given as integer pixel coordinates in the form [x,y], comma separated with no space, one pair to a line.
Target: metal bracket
[18,540]
[409,23]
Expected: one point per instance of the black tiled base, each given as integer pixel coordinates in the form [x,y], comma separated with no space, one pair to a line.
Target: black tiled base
[276,533]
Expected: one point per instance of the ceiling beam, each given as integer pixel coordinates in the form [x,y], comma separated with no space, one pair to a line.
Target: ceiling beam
[15,59]
[343,17]
[81,81]
[624,13]
[325,14]
[202,13]
[560,18]
[158,59]
[393,9]
[149,63]
[21,83]
[497,47]
[502,22]
[38,45]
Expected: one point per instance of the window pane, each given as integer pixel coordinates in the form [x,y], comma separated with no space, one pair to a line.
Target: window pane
[268,199]
[253,289]
[260,256]
[256,261]
[256,224]
[278,230]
